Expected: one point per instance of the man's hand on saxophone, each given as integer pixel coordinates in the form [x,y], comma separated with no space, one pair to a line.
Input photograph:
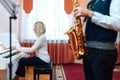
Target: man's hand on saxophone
[81,12]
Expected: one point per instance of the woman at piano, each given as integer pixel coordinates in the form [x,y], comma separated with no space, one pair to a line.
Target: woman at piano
[40,47]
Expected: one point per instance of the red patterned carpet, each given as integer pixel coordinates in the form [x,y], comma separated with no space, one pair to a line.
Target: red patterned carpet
[116,76]
[74,72]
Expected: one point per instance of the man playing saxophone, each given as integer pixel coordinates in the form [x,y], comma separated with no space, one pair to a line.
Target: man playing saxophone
[102,25]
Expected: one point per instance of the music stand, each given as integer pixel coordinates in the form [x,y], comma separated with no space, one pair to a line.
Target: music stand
[10,31]
[13,9]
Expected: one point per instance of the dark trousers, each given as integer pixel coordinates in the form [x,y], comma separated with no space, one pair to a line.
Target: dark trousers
[99,64]
[30,61]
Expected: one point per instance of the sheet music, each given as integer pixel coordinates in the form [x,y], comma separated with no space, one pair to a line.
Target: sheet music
[4,39]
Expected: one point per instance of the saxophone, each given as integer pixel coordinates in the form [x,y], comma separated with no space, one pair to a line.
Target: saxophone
[76,37]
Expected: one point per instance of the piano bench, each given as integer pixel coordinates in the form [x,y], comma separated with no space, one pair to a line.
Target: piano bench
[44,69]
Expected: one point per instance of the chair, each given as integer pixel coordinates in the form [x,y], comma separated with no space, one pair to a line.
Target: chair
[44,69]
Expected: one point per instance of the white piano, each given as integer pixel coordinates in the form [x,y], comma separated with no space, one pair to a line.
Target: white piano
[5,57]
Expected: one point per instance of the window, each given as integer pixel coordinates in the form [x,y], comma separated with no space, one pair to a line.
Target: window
[52,13]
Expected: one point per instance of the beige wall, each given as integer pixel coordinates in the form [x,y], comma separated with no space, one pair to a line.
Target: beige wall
[4,21]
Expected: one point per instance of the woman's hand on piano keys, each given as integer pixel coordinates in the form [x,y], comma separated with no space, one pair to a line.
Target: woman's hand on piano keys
[13,47]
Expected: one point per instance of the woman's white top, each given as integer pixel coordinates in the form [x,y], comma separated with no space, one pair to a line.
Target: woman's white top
[40,47]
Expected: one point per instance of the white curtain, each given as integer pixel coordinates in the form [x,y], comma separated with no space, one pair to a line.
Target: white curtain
[52,13]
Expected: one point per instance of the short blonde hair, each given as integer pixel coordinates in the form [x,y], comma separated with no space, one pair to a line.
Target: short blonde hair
[40,28]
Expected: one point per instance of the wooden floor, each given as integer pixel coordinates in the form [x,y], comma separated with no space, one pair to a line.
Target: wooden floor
[29,75]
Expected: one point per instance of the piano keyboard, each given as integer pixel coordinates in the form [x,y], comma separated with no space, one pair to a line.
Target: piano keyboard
[5,56]
[4,51]
[7,53]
